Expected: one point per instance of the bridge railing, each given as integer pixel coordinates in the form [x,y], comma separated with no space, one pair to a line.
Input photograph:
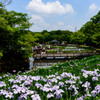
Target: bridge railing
[64,55]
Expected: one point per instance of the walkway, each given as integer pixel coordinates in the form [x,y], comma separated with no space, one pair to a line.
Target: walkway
[62,55]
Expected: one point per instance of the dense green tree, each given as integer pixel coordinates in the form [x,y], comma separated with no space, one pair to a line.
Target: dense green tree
[96,39]
[54,35]
[88,34]
[96,18]
[88,30]
[92,30]
[77,37]
[14,33]
[39,37]
[46,36]
[65,36]
[44,31]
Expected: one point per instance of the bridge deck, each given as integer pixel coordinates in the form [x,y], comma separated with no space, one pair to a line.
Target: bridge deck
[62,55]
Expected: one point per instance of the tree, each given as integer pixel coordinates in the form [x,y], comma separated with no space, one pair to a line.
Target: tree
[96,39]
[14,33]
[65,36]
[44,31]
[77,37]
[39,37]
[91,30]
[47,37]
[96,19]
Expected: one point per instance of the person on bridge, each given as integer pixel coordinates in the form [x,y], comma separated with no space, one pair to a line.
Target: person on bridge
[57,50]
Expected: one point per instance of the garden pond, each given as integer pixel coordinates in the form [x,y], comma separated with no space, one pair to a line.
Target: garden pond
[31,63]
[28,64]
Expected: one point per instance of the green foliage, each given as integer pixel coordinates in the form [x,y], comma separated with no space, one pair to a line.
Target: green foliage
[92,30]
[1,54]
[26,40]
[51,51]
[38,36]
[96,38]
[71,73]
[77,37]
[89,34]
[14,33]
[96,18]
[45,36]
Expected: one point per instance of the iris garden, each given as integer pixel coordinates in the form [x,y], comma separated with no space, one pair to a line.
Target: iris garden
[72,80]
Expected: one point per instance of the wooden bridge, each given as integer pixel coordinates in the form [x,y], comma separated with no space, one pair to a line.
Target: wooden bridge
[66,55]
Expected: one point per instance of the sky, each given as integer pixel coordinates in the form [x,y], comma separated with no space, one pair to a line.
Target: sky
[56,14]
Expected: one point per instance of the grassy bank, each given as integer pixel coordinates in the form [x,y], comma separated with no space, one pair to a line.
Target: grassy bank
[72,80]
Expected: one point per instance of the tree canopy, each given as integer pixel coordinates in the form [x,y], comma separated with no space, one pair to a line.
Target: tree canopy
[59,35]
[92,31]
[14,32]
[15,35]
[89,34]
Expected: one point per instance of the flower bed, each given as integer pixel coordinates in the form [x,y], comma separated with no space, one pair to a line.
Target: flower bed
[68,49]
[72,80]
[51,51]
[77,51]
